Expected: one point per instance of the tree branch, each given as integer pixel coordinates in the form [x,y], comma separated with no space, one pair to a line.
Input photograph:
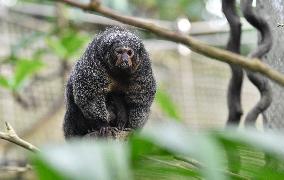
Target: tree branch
[222,55]
[16,168]
[12,137]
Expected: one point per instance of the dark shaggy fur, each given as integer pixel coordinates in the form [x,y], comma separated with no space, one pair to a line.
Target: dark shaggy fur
[96,86]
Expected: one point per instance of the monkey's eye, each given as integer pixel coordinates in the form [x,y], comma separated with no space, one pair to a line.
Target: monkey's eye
[130,52]
[119,51]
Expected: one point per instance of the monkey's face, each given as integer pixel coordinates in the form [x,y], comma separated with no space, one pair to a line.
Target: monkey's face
[123,57]
[121,50]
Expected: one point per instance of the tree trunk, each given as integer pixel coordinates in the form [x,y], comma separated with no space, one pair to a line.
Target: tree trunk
[273,12]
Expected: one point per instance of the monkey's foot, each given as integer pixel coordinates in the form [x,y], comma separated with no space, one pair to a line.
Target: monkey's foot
[108,132]
[127,129]
[121,126]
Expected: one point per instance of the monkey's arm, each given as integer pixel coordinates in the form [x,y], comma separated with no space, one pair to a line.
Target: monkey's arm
[89,91]
[139,99]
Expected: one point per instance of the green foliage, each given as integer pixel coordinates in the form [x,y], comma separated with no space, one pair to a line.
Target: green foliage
[167,151]
[85,160]
[4,82]
[67,45]
[24,68]
[167,105]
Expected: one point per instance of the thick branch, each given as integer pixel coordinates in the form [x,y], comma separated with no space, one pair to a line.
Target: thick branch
[222,55]
[12,137]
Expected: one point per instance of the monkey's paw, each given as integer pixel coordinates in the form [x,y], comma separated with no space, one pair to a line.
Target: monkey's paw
[108,132]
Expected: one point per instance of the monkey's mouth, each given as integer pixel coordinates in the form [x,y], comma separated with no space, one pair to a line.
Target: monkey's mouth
[123,64]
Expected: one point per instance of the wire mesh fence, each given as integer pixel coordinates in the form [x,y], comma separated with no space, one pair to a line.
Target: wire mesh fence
[196,84]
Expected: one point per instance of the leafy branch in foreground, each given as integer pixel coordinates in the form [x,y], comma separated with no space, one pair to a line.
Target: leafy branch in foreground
[166,151]
[163,151]
[252,64]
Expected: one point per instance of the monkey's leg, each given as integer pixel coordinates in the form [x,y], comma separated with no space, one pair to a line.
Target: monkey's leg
[73,125]
[95,108]
[89,86]
[138,116]
[119,106]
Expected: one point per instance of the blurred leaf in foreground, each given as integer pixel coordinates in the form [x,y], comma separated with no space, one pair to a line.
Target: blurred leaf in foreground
[84,160]
[167,151]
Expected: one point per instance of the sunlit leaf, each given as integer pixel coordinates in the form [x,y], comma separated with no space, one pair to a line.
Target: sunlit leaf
[169,151]
[55,45]
[167,105]
[46,172]
[4,82]
[179,141]
[24,69]
[73,42]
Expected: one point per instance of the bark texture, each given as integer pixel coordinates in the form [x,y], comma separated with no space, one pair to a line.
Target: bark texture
[273,12]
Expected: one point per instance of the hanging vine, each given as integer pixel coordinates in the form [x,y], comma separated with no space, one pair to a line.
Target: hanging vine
[257,79]
[236,81]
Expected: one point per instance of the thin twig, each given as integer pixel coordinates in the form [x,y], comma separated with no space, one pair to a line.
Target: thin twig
[12,137]
[253,64]
[16,168]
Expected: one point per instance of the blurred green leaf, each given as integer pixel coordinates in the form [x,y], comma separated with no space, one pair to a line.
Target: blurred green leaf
[67,45]
[4,82]
[55,45]
[85,160]
[24,69]
[73,42]
[45,172]
[163,167]
[179,141]
[167,105]
[154,151]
